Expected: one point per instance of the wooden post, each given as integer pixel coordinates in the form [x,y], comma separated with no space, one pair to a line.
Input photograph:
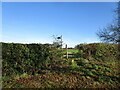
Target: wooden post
[61,41]
[66,52]
[61,46]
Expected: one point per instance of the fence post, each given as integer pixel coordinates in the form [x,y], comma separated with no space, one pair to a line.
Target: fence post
[66,52]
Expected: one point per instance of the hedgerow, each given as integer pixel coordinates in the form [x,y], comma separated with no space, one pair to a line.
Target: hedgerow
[26,58]
[99,51]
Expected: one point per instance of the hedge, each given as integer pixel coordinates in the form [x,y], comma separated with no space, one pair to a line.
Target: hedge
[25,58]
[100,51]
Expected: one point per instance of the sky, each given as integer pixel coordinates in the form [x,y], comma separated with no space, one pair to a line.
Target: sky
[37,22]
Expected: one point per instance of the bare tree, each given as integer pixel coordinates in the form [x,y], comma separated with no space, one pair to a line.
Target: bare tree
[57,41]
[111,34]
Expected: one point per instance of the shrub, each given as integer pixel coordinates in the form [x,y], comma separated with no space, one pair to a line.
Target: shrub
[26,58]
[100,51]
[106,52]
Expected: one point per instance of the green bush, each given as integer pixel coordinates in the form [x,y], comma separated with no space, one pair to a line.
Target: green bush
[99,51]
[26,58]
[106,52]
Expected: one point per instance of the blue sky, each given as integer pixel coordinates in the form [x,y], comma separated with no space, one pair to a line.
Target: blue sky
[77,22]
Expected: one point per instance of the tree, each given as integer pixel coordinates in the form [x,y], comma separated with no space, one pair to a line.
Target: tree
[57,41]
[111,33]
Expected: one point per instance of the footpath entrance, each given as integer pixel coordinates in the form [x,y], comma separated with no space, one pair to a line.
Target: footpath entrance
[71,54]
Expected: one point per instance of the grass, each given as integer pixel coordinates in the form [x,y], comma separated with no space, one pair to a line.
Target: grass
[69,75]
[71,50]
[71,53]
[74,72]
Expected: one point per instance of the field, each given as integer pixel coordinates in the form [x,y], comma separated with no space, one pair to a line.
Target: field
[85,75]
[73,50]
[80,73]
